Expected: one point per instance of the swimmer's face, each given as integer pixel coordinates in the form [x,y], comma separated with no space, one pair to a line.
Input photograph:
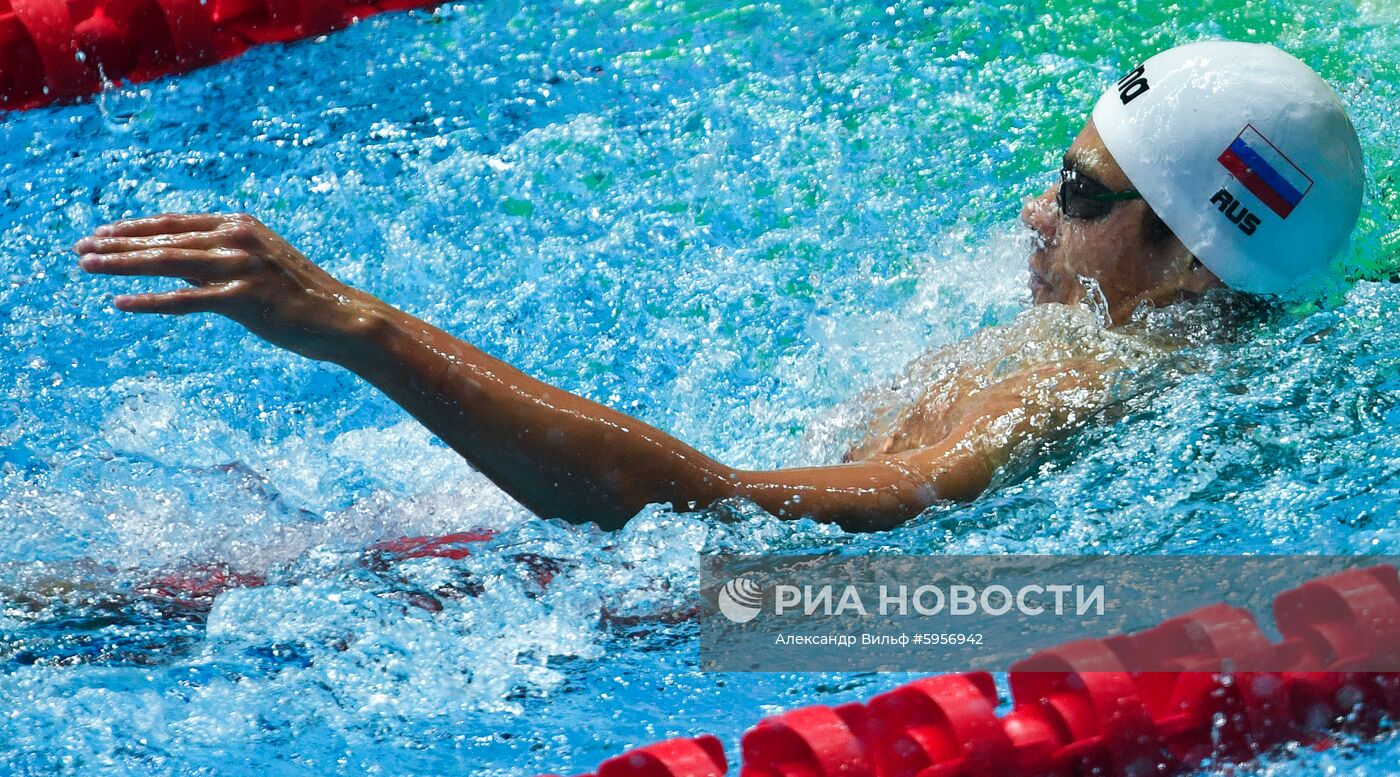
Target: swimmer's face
[1117,251]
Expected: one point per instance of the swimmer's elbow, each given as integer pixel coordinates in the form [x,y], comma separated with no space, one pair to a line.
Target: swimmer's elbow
[941,474]
[964,479]
[689,489]
[860,497]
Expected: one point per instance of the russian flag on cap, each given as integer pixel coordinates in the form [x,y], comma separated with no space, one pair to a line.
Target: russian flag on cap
[1265,171]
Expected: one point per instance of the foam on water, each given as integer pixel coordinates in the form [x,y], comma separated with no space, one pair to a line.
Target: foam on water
[725,220]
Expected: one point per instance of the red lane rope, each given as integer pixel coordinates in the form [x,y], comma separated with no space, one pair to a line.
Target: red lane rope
[1078,709]
[59,49]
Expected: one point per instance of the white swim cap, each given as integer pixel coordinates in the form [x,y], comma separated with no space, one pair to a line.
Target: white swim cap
[1245,153]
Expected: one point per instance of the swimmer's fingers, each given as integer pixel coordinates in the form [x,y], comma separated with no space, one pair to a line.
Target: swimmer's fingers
[189,263]
[164,224]
[119,245]
[199,299]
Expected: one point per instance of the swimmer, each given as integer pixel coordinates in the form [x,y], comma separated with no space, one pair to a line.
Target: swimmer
[1212,168]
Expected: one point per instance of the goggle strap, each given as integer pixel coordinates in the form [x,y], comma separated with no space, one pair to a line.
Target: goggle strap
[1130,194]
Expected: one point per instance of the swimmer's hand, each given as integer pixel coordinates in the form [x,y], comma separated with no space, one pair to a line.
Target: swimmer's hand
[238,268]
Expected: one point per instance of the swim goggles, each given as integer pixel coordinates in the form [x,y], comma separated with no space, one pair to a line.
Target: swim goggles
[1082,197]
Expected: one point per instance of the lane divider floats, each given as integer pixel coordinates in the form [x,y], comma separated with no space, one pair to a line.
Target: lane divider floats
[1087,707]
[57,49]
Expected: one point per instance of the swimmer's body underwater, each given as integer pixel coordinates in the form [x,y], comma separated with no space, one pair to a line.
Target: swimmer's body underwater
[1213,166]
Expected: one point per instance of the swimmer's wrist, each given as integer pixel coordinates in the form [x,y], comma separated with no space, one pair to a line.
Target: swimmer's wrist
[380,342]
[360,325]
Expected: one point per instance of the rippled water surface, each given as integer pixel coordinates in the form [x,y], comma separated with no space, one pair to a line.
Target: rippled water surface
[723,219]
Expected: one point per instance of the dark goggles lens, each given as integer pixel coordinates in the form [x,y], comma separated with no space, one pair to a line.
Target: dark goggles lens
[1082,197]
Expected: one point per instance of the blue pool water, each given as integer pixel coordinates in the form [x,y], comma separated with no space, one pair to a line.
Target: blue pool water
[723,219]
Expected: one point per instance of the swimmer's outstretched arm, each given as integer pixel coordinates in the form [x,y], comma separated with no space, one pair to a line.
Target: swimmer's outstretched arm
[559,454]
